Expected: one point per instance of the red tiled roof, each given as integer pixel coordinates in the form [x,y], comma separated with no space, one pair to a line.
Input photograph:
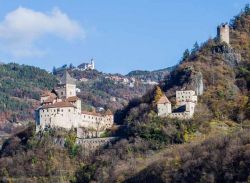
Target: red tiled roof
[91,113]
[72,99]
[58,105]
[49,100]
[163,100]
[108,112]
[45,94]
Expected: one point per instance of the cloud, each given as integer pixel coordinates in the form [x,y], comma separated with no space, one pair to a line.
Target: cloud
[22,28]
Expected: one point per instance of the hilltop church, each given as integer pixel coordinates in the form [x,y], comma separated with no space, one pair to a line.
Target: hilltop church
[62,108]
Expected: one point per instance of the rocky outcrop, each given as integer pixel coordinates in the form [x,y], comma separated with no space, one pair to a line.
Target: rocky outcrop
[230,56]
[197,83]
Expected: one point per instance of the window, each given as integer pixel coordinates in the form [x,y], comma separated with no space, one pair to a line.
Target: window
[61,93]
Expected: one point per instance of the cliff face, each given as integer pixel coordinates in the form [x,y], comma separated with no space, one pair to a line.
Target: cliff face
[197,83]
[230,55]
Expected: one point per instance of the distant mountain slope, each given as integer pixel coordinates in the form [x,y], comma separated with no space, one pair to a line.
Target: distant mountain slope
[156,75]
[111,91]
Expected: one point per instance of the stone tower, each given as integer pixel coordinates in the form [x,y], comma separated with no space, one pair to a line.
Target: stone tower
[67,86]
[164,106]
[223,33]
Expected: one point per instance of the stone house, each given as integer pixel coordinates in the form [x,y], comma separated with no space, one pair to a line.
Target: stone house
[185,105]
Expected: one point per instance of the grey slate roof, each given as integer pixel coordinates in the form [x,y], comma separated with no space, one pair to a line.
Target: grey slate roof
[67,79]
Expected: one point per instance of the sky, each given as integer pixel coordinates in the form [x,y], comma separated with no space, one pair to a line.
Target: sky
[120,35]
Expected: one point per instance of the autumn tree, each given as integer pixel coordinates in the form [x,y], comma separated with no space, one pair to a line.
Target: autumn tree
[157,94]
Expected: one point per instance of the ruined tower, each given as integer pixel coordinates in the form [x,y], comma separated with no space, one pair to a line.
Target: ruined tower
[223,33]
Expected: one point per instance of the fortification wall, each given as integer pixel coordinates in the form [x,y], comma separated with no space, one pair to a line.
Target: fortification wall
[95,143]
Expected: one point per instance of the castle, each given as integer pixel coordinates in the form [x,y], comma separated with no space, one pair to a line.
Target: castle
[223,31]
[185,105]
[62,108]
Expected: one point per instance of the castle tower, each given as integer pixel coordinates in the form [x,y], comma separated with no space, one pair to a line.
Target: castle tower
[67,86]
[164,107]
[223,33]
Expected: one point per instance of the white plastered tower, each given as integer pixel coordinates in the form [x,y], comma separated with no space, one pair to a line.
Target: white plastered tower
[164,106]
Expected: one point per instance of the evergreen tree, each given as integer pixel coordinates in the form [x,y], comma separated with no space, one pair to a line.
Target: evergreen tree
[54,72]
[186,54]
[247,9]
[71,66]
[195,48]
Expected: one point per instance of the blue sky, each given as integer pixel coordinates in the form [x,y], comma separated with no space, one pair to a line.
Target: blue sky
[121,35]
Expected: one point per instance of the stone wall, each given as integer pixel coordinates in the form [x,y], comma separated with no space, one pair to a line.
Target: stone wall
[57,117]
[164,109]
[95,143]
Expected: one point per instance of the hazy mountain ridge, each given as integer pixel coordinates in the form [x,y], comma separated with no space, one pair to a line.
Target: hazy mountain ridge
[157,75]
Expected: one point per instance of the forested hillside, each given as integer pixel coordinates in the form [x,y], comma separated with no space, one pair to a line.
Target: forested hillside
[150,153]
[99,90]
[20,89]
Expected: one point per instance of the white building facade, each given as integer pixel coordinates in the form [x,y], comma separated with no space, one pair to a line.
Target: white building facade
[61,108]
